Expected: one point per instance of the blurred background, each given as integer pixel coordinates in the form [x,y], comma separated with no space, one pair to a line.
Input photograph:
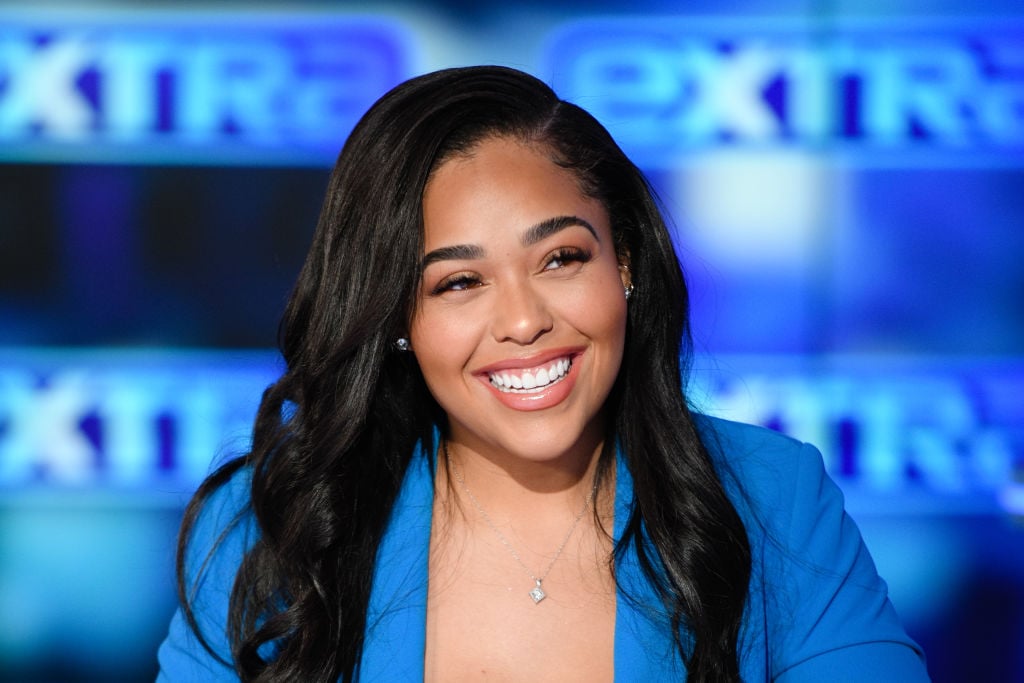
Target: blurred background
[846,187]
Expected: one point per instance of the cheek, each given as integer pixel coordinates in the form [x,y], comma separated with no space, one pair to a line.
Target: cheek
[598,311]
[442,344]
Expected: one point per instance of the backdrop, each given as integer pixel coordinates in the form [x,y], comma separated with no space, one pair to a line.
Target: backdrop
[846,187]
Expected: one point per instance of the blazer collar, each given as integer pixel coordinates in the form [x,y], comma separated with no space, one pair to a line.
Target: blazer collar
[396,619]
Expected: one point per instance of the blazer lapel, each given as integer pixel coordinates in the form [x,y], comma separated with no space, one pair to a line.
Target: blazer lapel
[397,613]
[643,649]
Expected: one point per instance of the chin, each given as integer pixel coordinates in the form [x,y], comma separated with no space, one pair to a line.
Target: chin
[549,446]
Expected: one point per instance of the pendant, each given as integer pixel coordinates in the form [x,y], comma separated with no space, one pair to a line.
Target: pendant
[537,593]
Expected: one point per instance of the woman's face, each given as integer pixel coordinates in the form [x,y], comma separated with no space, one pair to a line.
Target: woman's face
[520,319]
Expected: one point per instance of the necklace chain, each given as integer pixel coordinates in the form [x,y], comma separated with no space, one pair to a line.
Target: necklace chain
[537,594]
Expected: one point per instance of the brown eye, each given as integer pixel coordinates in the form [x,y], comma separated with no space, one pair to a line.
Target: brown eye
[566,255]
[456,283]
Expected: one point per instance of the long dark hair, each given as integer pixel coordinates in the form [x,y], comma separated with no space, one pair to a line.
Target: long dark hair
[334,435]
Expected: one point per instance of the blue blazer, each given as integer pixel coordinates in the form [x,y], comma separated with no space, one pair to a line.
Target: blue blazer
[817,609]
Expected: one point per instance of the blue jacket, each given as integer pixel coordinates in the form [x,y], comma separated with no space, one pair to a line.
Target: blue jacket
[817,609]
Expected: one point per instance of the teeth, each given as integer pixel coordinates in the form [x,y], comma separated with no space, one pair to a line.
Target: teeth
[534,380]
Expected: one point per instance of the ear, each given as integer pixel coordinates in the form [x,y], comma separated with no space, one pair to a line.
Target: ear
[624,274]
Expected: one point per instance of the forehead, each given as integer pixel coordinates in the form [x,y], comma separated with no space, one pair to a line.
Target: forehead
[500,188]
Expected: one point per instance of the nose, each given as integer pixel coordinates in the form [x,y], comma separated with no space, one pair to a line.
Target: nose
[521,315]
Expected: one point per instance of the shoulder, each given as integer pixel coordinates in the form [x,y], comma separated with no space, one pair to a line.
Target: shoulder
[228,505]
[758,466]
[746,445]
[224,528]
[821,607]
[223,532]
[778,485]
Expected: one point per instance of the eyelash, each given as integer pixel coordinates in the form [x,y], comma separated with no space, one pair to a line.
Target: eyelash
[463,281]
[568,255]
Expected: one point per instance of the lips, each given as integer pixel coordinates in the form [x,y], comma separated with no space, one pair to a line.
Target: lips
[530,380]
[543,380]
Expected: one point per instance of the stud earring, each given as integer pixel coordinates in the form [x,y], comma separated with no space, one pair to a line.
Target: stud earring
[402,344]
[628,288]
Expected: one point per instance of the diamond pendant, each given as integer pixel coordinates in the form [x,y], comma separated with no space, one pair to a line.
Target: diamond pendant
[537,593]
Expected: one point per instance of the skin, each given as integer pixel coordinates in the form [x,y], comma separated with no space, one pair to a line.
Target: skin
[521,272]
[488,301]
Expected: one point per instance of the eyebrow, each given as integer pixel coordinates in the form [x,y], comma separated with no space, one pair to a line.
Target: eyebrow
[457,252]
[545,229]
[533,235]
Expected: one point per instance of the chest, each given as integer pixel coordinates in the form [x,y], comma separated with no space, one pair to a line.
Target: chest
[482,623]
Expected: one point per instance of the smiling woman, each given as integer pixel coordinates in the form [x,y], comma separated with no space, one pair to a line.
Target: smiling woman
[480,461]
[534,296]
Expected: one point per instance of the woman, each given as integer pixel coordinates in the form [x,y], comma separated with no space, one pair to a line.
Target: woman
[480,461]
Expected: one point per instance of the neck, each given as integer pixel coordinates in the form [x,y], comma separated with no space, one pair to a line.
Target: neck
[514,488]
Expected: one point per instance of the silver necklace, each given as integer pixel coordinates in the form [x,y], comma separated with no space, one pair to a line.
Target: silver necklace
[537,593]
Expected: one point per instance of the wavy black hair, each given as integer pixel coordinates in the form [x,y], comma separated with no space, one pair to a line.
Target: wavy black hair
[335,434]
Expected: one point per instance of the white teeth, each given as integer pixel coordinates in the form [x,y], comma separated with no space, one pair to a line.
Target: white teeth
[528,382]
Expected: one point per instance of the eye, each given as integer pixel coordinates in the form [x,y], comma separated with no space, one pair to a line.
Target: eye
[563,256]
[456,283]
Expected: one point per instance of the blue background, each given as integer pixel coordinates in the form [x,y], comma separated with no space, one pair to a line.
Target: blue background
[846,188]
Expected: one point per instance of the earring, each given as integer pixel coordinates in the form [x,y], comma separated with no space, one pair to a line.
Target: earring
[628,288]
[402,344]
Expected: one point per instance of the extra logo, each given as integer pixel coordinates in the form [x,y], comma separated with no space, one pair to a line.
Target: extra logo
[666,87]
[199,86]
